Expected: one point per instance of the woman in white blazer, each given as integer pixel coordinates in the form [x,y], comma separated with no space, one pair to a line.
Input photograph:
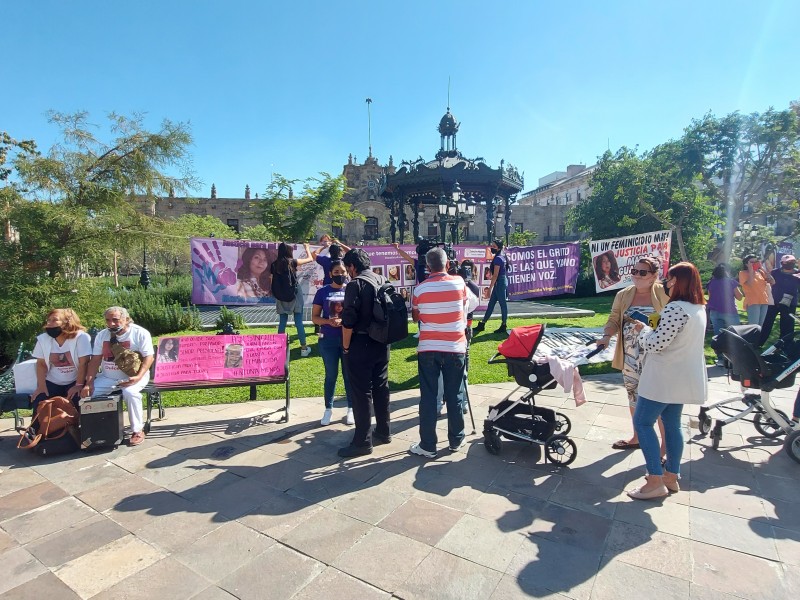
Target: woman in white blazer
[674,374]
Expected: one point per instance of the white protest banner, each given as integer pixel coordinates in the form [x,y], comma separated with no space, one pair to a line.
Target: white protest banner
[613,259]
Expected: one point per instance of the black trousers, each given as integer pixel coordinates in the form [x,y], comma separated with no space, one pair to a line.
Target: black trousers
[367,365]
[787,322]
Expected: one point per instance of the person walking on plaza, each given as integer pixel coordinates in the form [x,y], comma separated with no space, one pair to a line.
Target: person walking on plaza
[755,282]
[674,374]
[498,288]
[121,328]
[439,305]
[326,313]
[366,360]
[786,283]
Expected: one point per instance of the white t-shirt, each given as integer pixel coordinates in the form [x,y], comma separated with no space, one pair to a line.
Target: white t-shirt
[62,360]
[136,338]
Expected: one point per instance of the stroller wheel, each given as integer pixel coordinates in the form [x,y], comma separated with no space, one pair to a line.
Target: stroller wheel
[792,445]
[563,424]
[769,427]
[560,450]
[491,440]
[705,422]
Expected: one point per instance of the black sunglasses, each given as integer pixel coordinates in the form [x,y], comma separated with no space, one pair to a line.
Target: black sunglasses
[642,272]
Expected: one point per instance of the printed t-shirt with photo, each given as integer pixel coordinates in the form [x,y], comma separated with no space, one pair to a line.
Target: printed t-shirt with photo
[62,360]
[326,297]
[136,338]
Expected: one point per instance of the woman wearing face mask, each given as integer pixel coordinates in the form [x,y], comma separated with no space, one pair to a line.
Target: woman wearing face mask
[497,288]
[326,312]
[62,354]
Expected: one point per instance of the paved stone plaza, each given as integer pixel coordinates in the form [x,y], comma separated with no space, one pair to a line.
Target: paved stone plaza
[218,503]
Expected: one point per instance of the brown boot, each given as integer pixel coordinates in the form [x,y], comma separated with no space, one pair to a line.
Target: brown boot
[671,481]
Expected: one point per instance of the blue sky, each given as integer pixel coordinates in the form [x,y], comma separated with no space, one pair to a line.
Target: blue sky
[281,86]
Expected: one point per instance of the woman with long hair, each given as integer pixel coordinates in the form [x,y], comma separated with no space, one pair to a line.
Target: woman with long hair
[755,279]
[253,275]
[168,350]
[606,269]
[674,374]
[286,266]
[62,356]
[498,288]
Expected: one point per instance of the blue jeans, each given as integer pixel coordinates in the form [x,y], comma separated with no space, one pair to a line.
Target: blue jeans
[644,420]
[499,292]
[756,313]
[298,323]
[721,320]
[451,368]
[330,349]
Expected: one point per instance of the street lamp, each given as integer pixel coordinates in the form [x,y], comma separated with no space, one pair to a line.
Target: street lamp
[144,278]
[453,210]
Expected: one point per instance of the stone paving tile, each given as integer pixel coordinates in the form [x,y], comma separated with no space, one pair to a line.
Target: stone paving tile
[595,499]
[465,580]
[232,501]
[45,585]
[383,559]
[279,514]
[510,589]
[443,489]
[279,572]
[421,520]
[100,569]
[48,519]
[332,584]
[75,481]
[12,480]
[577,528]
[650,549]
[538,484]
[780,488]
[175,531]
[6,542]
[213,593]
[75,541]
[165,579]
[206,481]
[326,534]
[783,514]
[563,568]
[480,541]
[107,496]
[722,570]
[731,500]
[370,505]
[140,510]
[19,567]
[742,535]
[223,551]
[788,545]
[698,592]
[614,582]
[29,498]
[510,511]
[667,517]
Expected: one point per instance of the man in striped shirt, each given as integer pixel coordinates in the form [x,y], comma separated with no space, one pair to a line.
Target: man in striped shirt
[439,305]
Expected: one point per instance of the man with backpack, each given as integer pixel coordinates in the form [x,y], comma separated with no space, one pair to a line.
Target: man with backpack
[440,305]
[365,358]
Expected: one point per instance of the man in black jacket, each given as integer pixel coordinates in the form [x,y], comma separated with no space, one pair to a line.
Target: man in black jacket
[366,360]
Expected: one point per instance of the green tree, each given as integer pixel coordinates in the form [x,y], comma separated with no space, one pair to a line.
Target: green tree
[83,192]
[257,232]
[294,216]
[522,238]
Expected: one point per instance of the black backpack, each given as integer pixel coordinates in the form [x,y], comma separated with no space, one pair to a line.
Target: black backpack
[389,322]
[284,284]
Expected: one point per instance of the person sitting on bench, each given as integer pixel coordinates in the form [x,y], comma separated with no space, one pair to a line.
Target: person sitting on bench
[121,328]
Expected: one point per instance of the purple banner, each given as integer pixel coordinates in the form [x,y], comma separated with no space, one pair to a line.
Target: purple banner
[536,271]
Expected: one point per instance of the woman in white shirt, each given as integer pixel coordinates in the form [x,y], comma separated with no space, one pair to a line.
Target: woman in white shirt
[673,374]
[62,354]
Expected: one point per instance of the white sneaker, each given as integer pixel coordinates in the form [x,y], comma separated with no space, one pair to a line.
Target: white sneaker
[326,417]
[416,335]
[305,351]
[349,419]
[420,451]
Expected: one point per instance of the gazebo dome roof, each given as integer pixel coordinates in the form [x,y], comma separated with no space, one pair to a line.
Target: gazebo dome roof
[448,124]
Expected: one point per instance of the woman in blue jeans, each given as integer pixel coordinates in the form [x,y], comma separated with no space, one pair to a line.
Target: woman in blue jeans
[286,266]
[326,311]
[674,374]
[498,288]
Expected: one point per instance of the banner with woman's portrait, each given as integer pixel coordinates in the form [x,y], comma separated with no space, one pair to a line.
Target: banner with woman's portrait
[613,259]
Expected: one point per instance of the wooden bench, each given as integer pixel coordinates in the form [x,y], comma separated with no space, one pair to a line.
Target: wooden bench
[154,390]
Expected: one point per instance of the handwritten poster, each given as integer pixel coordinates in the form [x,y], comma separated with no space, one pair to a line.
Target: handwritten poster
[613,259]
[218,357]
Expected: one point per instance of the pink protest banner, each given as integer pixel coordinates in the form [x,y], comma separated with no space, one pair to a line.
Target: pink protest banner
[220,357]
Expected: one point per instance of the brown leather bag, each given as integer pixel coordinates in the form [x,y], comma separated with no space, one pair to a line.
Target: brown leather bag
[55,416]
[128,361]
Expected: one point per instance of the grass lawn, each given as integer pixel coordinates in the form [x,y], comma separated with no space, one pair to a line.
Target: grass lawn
[307,374]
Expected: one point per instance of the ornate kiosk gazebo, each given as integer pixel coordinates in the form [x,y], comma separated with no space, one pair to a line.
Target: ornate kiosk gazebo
[451,191]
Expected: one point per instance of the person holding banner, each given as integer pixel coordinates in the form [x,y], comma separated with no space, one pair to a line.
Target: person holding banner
[755,281]
[334,252]
[498,288]
[645,296]
[326,312]
[285,266]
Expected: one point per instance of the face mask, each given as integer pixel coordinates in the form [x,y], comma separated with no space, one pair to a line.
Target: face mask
[53,332]
[495,250]
[339,279]
[115,329]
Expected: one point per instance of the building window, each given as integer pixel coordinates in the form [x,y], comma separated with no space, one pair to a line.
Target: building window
[233,224]
[433,229]
[517,227]
[337,231]
[371,228]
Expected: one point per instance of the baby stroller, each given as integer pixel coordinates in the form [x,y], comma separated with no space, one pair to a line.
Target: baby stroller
[774,369]
[521,419]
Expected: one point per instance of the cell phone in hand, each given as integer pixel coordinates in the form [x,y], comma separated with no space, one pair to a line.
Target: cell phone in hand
[639,316]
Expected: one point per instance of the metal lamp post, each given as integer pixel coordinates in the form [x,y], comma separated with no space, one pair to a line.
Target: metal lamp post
[144,278]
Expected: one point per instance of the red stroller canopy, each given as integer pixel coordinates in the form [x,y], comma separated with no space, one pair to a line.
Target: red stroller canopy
[522,342]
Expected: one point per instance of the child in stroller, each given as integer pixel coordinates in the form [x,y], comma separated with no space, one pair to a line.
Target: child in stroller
[775,368]
[521,419]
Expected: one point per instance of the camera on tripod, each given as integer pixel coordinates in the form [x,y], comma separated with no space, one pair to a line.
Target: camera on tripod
[426,244]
